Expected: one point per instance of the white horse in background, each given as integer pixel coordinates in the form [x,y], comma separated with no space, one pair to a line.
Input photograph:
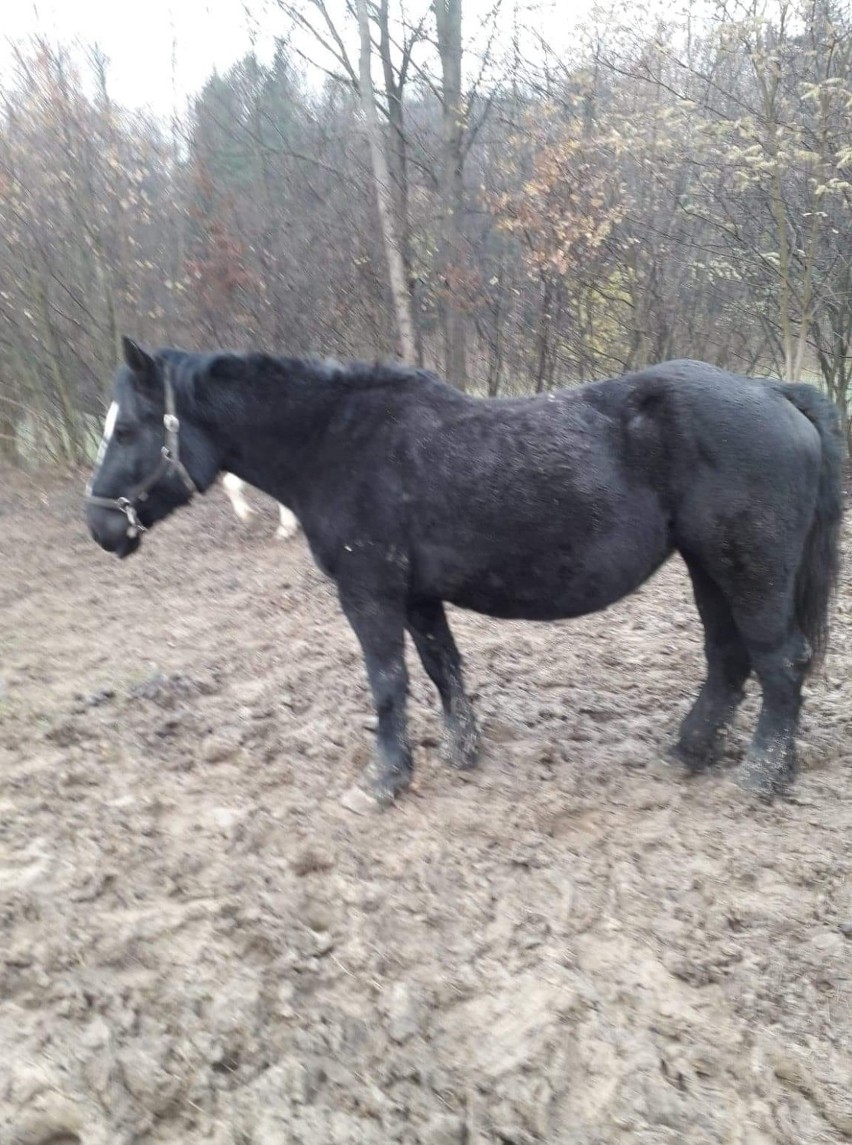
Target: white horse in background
[235,487]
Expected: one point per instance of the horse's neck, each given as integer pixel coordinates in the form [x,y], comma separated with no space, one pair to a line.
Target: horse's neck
[269,445]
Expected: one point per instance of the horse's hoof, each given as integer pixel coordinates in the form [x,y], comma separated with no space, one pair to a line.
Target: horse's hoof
[693,761]
[762,779]
[461,761]
[385,786]
[461,751]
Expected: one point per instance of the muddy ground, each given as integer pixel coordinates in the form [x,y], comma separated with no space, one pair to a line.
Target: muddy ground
[202,942]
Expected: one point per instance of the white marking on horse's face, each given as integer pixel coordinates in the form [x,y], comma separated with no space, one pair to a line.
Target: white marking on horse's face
[109,426]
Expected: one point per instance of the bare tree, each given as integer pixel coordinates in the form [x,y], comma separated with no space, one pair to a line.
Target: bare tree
[381,175]
[448,23]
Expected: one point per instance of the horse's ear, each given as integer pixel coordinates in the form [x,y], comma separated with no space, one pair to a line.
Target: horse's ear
[146,377]
[136,358]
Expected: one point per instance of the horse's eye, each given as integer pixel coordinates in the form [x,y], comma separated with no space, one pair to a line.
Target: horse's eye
[123,434]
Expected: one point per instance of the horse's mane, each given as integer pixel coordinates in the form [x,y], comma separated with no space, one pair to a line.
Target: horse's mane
[353,376]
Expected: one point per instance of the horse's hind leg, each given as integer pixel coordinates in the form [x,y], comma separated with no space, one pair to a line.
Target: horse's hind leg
[728,667]
[760,595]
[780,655]
[427,623]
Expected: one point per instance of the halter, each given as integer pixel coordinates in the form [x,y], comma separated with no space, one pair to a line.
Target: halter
[169,462]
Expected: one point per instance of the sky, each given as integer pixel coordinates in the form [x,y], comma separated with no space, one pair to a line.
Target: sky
[200,36]
[141,41]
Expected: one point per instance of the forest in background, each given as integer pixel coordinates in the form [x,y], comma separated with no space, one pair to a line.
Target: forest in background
[388,184]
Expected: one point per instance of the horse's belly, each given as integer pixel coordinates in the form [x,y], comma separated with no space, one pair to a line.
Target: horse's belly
[538,601]
[544,577]
[578,556]
[552,589]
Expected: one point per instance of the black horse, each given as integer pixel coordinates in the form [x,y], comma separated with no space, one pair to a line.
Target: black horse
[411,493]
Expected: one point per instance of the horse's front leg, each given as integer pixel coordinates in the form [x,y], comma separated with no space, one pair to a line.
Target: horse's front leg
[379,625]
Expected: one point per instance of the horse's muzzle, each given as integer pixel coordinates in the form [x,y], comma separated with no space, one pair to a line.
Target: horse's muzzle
[109,528]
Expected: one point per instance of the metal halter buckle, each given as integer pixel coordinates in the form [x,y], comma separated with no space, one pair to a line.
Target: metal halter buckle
[134,525]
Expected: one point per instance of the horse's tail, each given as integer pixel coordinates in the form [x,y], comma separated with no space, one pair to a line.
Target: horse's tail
[817,575]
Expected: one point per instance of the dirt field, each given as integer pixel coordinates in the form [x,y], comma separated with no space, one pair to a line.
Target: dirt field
[203,942]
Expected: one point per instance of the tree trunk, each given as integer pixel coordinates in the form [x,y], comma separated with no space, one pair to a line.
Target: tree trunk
[398,164]
[448,25]
[393,253]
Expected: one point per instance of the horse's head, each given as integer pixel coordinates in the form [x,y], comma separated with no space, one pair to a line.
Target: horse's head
[149,462]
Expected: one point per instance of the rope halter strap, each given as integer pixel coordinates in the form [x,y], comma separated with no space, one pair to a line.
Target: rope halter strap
[168,463]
